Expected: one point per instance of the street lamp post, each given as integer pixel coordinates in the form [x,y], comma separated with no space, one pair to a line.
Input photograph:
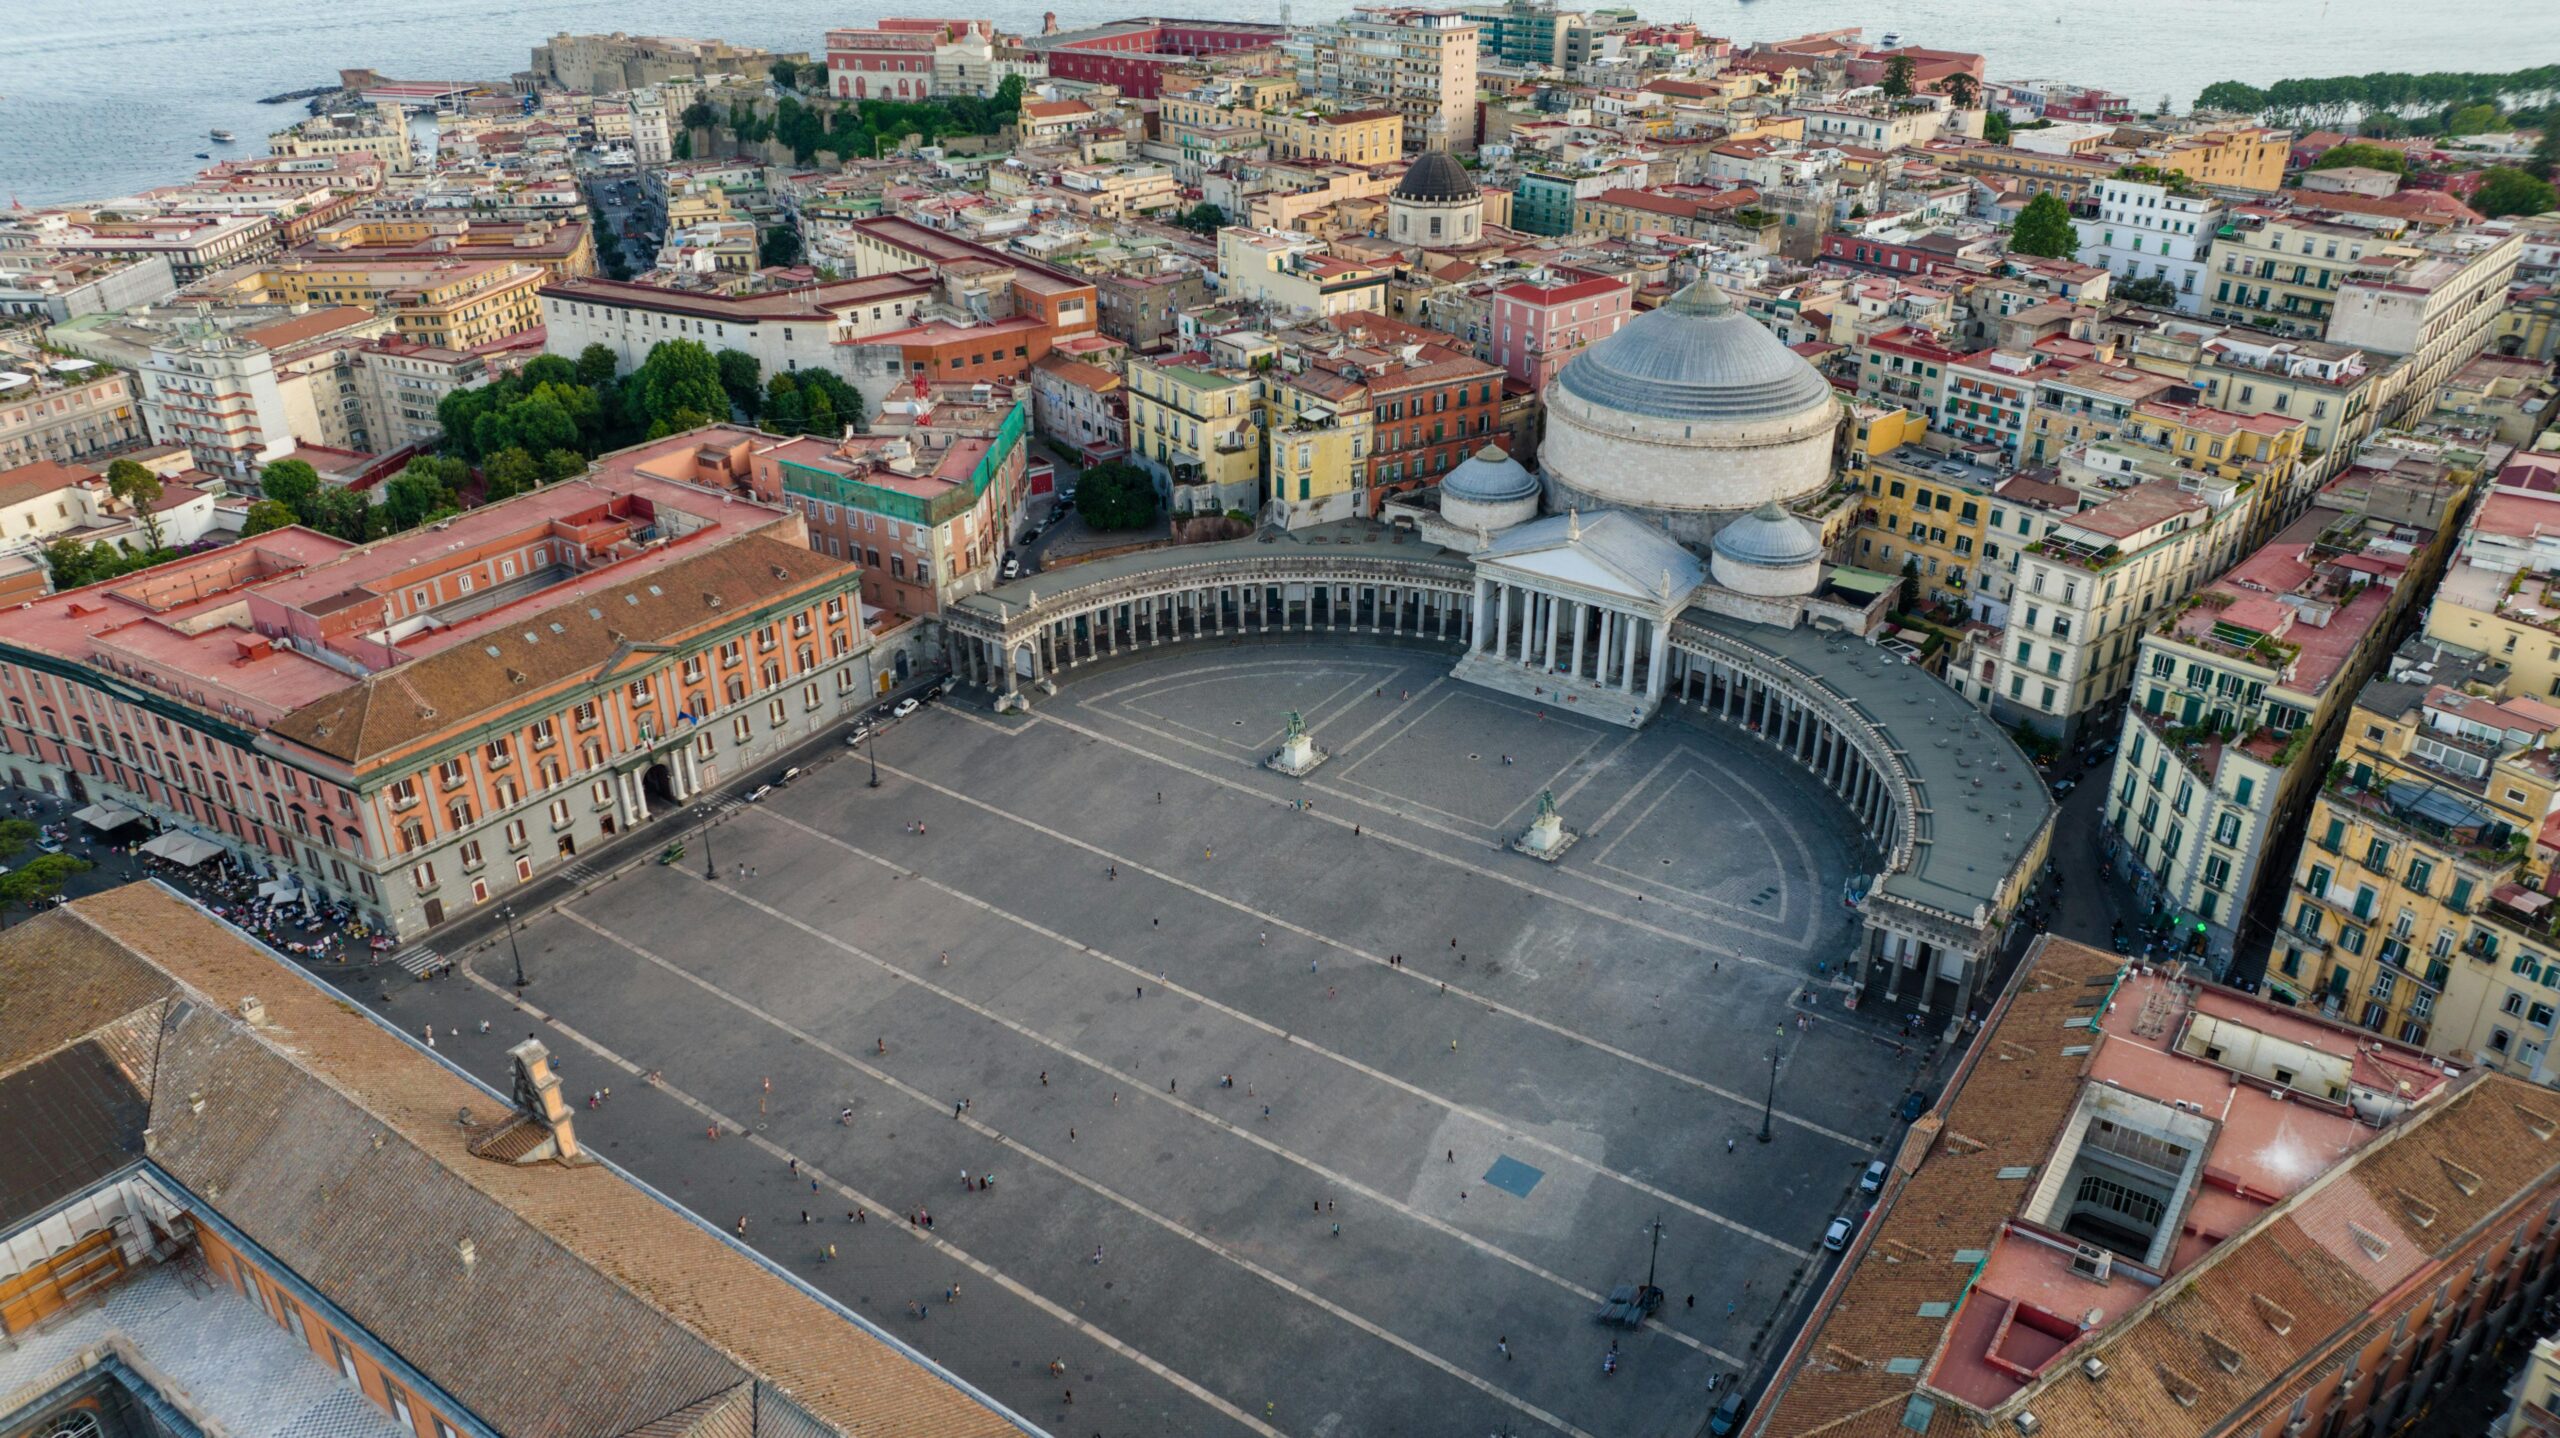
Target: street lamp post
[871,747]
[1770,1104]
[508,913]
[710,870]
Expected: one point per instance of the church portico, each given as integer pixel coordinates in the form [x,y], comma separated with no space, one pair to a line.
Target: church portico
[1580,614]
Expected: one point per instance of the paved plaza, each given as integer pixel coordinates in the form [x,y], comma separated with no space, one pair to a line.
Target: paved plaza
[1463,1082]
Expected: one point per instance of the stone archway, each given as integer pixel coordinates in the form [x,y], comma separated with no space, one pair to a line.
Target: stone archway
[659,783]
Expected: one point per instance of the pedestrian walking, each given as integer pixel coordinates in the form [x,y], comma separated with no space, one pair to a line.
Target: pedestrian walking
[1044,1078]
[795,1168]
[1337,1230]
[715,1133]
[1504,1344]
[1071,1135]
[804,1216]
[1453,1155]
[952,1294]
[884,1044]
[1097,1255]
[742,1225]
[956,1106]
[1728,1145]
[1266,1110]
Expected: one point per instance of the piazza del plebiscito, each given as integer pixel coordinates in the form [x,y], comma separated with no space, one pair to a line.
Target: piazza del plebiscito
[1652,572]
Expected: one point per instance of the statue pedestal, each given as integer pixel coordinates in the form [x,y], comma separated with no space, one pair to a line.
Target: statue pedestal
[1014,703]
[1298,757]
[1546,839]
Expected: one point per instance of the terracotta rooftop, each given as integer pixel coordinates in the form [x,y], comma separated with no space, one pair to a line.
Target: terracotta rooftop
[330,1143]
[1955,1312]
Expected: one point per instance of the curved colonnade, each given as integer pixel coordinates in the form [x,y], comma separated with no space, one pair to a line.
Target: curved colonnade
[1920,948]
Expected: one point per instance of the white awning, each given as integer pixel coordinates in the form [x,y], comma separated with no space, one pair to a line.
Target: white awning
[107,814]
[184,850]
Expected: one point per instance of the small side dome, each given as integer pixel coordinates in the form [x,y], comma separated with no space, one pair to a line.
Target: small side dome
[1489,476]
[1769,553]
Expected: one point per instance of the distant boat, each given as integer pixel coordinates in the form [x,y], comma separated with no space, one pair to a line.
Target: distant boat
[223,137]
[1891,39]
[204,155]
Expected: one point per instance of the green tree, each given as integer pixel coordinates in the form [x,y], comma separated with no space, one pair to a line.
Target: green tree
[416,492]
[17,836]
[539,422]
[1204,217]
[742,377]
[546,369]
[1995,127]
[2509,191]
[40,880]
[679,376]
[597,366]
[292,482]
[786,409]
[1961,89]
[1116,496]
[70,564]
[779,246]
[1897,77]
[699,116]
[786,73]
[560,464]
[508,473]
[2153,291]
[139,489]
[2044,229]
[2546,149]
[682,149]
[1907,596]
[2474,120]
[266,514]
[843,402]
[344,513]
[2232,95]
[2362,156]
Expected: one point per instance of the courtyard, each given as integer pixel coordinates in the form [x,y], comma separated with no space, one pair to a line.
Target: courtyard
[1464,1084]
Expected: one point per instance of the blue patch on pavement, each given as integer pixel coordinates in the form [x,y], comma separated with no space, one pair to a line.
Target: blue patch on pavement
[1513,1177]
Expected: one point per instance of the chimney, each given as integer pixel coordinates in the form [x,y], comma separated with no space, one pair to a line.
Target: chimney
[537,1093]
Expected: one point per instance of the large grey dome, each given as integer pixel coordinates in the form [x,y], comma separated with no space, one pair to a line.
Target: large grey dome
[1768,538]
[1697,358]
[1435,175]
[1489,477]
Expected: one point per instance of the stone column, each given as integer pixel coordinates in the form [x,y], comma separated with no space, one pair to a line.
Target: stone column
[1658,676]
[1555,623]
[1581,620]
[1607,645]
[1627,656]
[1484,588]
[1529,599]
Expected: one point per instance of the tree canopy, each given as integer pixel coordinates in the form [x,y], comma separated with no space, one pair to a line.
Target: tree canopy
[139,489]
[1204,218]
[1995,127]
[2153,290]
[2361,156]
[2336,99]
[2045,229]
[1116,495]
[1897,77]
[2508,191]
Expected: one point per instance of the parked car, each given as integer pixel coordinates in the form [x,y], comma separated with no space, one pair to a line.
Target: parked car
[905,707]
[1915,1105]
[937,691]
[860,733]
[1012,568]
[756,794]
[1873,1179]
[1836,1237]
[1727,1419]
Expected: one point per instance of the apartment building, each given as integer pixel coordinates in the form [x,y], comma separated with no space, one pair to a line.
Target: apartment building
[2419,863]
[193,245]
[2084,403]
[2085,584]
[2153,231]
[1536,326]
[417,726]
[452,304]
[380,133]
[561,248]
[925,503]
[1270,110]
[400,382]
[219,396]
[2284,273]
[2215,1214]
[1297,275]
[1990,395]
[2432,306]
[2240,688]
[1926,513]
[66,410]
[1194,424]
[881,64]
[1420,63]
[1079,405]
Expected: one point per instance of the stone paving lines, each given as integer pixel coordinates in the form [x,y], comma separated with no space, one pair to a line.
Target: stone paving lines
[1493,1155]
